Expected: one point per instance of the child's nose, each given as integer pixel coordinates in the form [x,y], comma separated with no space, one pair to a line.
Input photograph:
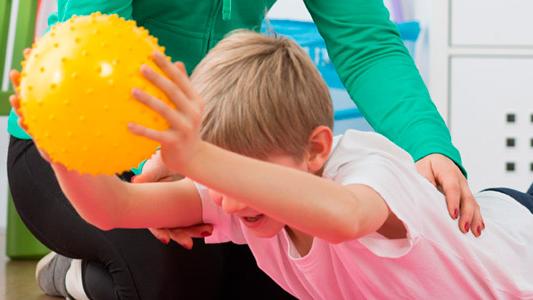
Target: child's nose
[231,206]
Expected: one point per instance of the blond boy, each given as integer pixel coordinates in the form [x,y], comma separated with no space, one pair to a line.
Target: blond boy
[327,218]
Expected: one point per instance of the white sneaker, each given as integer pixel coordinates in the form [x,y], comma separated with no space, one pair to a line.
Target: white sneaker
[51,272]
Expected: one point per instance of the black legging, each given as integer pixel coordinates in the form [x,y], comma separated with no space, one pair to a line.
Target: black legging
[526,199]
[128,264]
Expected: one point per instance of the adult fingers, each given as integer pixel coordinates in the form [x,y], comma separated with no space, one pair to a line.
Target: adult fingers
[451,188]
[423,167]
[161,234]
[181,237]
[469,207]
[477,223]
[199,231]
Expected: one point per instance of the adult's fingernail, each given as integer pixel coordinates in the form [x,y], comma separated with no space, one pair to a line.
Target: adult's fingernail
[205,233]
[479,229]
[455,213]
[467,226]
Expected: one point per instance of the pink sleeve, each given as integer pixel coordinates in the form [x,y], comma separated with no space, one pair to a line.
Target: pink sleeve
[226,228]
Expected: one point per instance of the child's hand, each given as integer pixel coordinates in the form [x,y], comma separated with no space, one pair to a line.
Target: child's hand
[14,100]
[181,140]
[14,76]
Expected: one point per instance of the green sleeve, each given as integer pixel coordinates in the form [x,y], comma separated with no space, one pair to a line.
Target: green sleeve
[380,75]
[68,8]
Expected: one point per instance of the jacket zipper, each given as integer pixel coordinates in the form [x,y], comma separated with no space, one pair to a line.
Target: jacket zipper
[211,24]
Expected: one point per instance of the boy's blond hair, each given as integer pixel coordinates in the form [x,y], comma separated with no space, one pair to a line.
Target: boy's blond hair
[263,96]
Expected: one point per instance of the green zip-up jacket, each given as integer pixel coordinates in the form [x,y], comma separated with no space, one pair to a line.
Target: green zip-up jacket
[364,45]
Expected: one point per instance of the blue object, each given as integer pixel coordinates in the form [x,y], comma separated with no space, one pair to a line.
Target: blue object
[306,35]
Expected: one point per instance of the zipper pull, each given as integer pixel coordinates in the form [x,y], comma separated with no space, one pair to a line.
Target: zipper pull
[226,10]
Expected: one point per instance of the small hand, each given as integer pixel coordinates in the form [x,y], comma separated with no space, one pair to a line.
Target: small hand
[183,236]
[180,142]
[14,76]
[444,174]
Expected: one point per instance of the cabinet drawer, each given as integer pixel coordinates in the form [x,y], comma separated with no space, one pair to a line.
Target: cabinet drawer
[491,119]
[504,23]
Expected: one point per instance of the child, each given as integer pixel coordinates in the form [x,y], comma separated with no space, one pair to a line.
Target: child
[327,218]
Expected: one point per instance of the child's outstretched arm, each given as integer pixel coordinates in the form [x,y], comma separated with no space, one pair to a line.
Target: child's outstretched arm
[304,201]
[312,204]
[107,202]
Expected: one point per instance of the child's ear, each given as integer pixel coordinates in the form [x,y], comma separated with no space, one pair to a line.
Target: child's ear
[319,147]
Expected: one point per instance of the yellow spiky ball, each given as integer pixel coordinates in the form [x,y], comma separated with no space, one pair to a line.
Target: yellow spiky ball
[76,93]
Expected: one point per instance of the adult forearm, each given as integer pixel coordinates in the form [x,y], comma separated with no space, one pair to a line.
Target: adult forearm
[312,204]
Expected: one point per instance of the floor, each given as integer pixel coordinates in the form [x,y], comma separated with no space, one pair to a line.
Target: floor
[17,278]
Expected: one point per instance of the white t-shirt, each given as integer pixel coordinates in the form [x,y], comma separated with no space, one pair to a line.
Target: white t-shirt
[435,261]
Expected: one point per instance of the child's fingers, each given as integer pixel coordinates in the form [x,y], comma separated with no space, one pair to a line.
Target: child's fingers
[26,52]
[14,76]
[164,138]
[181,66]
[155,104]
[191,92]
[44,155]
[175,118]
[170,89]
[15,103]
[180,78]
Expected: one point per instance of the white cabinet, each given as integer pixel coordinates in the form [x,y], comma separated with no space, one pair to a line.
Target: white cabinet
[481,79]
[491,22]
[491,119]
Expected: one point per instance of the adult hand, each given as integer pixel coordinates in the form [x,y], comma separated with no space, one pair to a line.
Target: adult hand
[183,236]
[154,170]
[444,174]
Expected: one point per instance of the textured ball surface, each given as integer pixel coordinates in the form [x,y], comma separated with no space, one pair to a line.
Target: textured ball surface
[76,93]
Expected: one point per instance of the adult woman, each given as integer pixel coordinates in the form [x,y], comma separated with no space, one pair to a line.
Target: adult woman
[376,70]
